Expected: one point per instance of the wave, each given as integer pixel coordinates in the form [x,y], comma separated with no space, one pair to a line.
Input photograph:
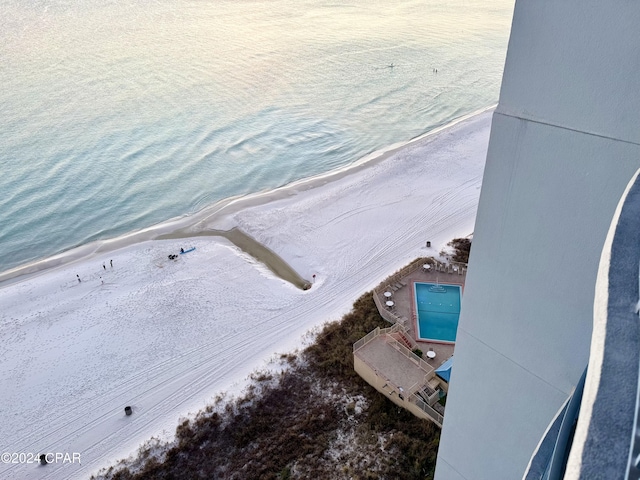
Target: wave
[212,216]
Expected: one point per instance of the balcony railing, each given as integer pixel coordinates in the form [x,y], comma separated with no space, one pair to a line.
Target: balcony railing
[437,418]
[606,443]
[375,333]
[550,458]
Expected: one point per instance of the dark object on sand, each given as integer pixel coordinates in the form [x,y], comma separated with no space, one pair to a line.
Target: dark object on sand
[43,459]
[127,410]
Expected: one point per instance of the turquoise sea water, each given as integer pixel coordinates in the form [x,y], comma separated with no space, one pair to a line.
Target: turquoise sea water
[438,309]
[117,115]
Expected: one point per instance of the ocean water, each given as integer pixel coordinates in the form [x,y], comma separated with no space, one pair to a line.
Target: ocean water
[116,115]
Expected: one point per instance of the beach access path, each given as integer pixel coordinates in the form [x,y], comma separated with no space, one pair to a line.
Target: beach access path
[165,336]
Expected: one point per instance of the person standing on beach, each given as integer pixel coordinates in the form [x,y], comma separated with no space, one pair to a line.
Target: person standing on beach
[101,280]
[103,266]
[111,263]
[79,281]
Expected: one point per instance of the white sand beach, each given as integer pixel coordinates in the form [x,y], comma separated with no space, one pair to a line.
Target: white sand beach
[165,336]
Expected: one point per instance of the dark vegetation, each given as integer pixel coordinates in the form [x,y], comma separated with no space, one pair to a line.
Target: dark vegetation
[461,249]
[316,419]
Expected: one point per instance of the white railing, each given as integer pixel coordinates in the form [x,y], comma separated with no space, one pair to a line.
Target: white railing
[385,312]
[434,397]
[450,267]
[437,266]
[422,405]
[401,324]
[420,385]
[366,339]
[375,333]
[403,272]
[411,356]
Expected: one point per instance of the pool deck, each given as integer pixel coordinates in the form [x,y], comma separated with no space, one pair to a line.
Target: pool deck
[384,357]
[389,363]
[404,299]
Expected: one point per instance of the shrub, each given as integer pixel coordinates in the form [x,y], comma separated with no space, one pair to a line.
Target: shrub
[462,248]
[288,428]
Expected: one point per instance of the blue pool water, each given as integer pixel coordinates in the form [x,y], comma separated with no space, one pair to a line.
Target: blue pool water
[438,309]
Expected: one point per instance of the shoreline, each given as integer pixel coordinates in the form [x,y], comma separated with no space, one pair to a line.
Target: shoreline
[166,336]
[212,217]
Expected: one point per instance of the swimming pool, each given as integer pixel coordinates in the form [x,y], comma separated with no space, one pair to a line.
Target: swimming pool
[438,311]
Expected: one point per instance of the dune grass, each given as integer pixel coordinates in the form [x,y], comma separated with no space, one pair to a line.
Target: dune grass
[315,419]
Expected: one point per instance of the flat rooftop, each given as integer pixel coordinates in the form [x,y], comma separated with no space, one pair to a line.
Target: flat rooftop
[391,364]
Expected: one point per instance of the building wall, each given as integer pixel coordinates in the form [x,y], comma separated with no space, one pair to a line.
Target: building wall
[565,140]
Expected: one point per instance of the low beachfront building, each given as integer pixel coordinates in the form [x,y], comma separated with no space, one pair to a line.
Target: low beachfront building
[409,362]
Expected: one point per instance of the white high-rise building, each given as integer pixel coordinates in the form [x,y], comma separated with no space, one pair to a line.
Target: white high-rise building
[565,141]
